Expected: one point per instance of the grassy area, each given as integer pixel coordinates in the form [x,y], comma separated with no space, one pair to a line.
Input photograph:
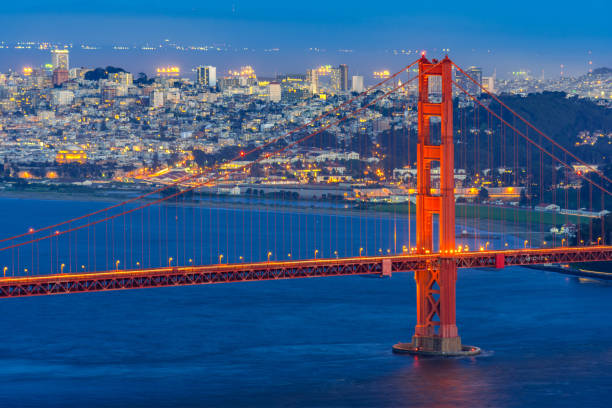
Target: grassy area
[524,216]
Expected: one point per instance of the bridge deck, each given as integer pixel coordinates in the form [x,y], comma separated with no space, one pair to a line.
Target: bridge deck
[243,272]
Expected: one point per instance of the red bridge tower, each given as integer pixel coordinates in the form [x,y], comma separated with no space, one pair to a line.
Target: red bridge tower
[436,330]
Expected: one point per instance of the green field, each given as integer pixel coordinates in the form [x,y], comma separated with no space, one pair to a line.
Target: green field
[523,216]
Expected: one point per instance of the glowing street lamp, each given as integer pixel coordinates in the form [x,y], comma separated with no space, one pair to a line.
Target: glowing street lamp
[360,251]
[170,261]
[62,268]
[487,245]
[220,258]
[336,253]
[4,271]
[117,265]
[598,240]
[315,254]
[525,243]
[269,255]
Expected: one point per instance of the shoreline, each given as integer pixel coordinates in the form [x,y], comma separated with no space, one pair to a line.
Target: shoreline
[267,204]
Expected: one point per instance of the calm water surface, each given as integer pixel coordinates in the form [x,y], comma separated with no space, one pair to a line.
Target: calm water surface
[547,341]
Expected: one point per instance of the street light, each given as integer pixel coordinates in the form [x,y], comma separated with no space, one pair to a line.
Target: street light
[316,252]
[404,249]
[4,271]
[525,243]
[487,245]
[269,255]
[170,261]
[240,258]
[563,241]
[289,255]
[598,240]
[336,253]
[83,268]
[220,258]
[62,268]
[117,265]
[360,251]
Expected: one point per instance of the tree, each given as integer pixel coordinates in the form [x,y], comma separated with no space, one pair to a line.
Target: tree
[523,201]
[483,194]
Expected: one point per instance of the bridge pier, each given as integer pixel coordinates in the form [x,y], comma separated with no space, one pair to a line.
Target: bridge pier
[436,330]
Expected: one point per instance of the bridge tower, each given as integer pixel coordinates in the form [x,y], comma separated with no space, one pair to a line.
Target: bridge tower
[436,330]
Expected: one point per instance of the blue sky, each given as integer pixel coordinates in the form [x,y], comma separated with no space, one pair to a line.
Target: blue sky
[526,32]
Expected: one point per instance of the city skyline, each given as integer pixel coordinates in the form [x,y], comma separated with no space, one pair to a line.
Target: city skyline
[542,36]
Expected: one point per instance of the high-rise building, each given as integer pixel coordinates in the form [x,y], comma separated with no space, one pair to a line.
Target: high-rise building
[312,77]
[488,83]
[344,84]
[357,84]
[156,99]
[60,76]
[206,76]
[467,84]
[476,74]
[59,59]
[274,90]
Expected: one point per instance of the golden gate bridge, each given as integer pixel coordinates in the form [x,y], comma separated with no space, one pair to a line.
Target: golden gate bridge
[113,248]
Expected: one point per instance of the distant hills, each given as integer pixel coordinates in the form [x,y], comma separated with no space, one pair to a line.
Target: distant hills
[602,71]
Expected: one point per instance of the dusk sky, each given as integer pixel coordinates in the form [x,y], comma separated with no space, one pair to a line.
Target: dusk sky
[496,35]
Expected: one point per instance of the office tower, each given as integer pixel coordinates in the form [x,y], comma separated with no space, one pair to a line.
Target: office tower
[488,83]
[467,84]
[313,78]
[206,76]
[476,74]
[343,68]
[357,85]
[334,77]
[60,76]
[274,90]
[59,59]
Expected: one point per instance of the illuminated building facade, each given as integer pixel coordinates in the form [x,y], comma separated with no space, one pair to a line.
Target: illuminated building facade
[168,71]
[72,154]
[59,59]
[206,76]
[312,76]
[274,91]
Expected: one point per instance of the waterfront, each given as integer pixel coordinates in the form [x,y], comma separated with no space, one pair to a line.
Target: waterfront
[312,342]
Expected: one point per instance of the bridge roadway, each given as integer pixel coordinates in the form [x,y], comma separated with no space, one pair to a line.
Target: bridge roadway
[67,283]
